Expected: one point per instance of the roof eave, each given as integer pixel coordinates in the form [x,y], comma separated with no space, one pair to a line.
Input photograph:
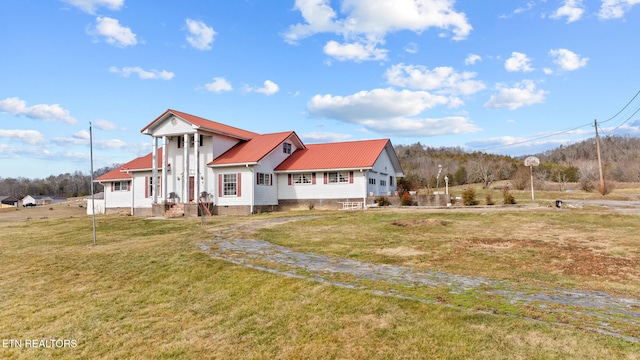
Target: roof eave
[323,170]
[246,164]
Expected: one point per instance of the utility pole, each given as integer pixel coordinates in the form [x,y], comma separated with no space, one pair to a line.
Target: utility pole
[595,124]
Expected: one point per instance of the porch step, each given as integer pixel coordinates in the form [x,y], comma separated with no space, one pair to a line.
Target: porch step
[175,210]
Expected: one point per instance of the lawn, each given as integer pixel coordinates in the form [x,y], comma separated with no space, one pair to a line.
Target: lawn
[146,290]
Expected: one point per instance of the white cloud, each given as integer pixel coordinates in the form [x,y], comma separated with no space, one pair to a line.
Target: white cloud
[615,9]
[143,74]
[107,125]
[367,22]
[219,84]
[411,48]
[522,94]
[374,104]
[24,136]
[389,111]
[324,137]
[115,33]
[354,51]
[90,6]
[45,112]
[530,5]
[518,62]
[572,9]
[472,59]
[269,88]
[79,138]
[200,35]
[568,60]
[444,79]
[111,144]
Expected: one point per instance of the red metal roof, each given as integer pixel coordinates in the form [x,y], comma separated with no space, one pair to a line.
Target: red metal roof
[206,125]
[113,175]
[138,164]
[340,155]
[253,150]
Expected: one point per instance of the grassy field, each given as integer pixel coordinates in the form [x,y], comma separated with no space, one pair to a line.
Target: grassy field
[146,290]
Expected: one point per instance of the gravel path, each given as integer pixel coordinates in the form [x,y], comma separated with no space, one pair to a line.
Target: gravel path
[600,311]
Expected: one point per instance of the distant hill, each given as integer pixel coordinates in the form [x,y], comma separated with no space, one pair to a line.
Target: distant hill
[426,167]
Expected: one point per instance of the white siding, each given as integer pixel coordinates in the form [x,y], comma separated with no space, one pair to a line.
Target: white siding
[355,190]
[246,186]
[170,127]
[116,199]
[383,170]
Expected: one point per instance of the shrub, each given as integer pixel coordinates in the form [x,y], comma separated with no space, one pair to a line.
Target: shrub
[469,196]
[489,199]
[382,201]
[508,197]
[406,199]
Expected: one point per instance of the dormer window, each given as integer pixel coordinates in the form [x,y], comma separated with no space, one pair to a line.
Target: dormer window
[286,148]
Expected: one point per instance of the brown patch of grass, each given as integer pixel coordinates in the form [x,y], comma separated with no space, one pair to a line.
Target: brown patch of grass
[419,222]
[401,251]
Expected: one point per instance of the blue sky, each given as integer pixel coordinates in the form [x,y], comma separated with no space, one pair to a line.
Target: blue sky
[476,74]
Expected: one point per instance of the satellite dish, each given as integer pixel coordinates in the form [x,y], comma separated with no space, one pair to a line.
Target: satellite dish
[531,161]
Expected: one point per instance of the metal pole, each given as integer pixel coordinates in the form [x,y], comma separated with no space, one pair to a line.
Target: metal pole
[602,189]
[93,199]
[531,170]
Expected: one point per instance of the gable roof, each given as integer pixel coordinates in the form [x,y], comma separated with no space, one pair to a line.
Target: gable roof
[142,163]
[254,150]
[204,124]
[114,175]
[340,155]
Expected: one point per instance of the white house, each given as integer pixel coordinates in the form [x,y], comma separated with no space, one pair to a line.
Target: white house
[207,167]
[42,199]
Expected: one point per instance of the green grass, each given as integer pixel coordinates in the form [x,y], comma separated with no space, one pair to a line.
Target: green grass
[147,291]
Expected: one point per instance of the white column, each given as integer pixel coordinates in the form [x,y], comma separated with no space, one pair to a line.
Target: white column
[196,155]
[165,166]
[154,170]
[185,177]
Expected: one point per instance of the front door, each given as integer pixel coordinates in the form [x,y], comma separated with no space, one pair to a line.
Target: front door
[191,187]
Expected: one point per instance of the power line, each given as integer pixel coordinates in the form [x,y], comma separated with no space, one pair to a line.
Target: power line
[572,129]
[629,103]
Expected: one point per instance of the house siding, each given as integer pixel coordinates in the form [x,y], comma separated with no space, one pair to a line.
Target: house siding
[320,190]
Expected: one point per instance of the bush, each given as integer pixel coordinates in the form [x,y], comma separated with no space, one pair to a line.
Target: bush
[382,201]
[508,197]
[489,199]
[469,196]
[406,199]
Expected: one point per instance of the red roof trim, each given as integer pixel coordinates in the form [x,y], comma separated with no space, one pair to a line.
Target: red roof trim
[205,124]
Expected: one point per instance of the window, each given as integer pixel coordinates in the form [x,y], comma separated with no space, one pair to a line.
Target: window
[383,182]
[230,185]
[263,179]
[121,186]
[372,181]
[286,148]
[338,177]
[192,139]
[304,178]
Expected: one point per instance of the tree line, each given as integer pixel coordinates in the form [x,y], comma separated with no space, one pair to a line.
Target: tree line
[425,167]
[65,185]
